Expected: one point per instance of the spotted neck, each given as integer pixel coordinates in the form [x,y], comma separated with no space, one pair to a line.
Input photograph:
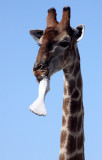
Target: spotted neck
[72,133]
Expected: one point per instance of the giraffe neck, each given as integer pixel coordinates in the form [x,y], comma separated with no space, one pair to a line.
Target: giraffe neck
[72,133]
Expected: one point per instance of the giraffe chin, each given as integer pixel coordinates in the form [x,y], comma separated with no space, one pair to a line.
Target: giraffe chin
[38,106]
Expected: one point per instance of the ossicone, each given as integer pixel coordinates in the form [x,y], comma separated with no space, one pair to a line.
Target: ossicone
[51,18]
[66,17]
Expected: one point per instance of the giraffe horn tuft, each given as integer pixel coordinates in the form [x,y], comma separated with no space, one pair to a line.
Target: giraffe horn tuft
[51,18]
[66,17]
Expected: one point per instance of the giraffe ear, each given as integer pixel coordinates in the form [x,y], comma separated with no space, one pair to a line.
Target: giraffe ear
[37,34]
[79,32]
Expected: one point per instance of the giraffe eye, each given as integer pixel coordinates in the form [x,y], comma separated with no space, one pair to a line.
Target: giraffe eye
[64,43]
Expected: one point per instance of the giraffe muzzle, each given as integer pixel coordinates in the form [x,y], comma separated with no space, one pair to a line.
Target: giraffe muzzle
[40,70]
[38,66]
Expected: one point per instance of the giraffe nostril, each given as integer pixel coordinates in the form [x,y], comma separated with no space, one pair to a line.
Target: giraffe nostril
[38,66]
[35,67]
[41,66]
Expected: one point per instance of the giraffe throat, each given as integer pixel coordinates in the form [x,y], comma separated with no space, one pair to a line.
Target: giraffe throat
[72,133]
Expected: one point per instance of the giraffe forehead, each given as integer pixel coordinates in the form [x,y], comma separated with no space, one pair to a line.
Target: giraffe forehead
[50,33]
[55,34]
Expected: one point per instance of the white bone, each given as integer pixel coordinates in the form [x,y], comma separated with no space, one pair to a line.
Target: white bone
[38,107]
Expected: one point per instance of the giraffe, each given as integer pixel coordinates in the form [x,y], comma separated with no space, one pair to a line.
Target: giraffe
[58,51]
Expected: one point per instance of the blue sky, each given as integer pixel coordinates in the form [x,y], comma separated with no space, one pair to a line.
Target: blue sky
[24,135]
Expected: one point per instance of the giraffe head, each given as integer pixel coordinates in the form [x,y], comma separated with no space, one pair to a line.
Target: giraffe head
[56,44]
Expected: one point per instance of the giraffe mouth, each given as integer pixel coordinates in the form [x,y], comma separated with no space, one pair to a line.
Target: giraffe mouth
[41,70]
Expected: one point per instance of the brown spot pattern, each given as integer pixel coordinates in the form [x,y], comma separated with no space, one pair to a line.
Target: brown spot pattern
[63,138]
[77,68]
[77,157]
[72,124]
[75,94]
[80,121]
[63,121]
[80,141]
[69,69]
[62,157]
[65,105]
[75,106]
[71,144]
[79,81]
[71,86]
